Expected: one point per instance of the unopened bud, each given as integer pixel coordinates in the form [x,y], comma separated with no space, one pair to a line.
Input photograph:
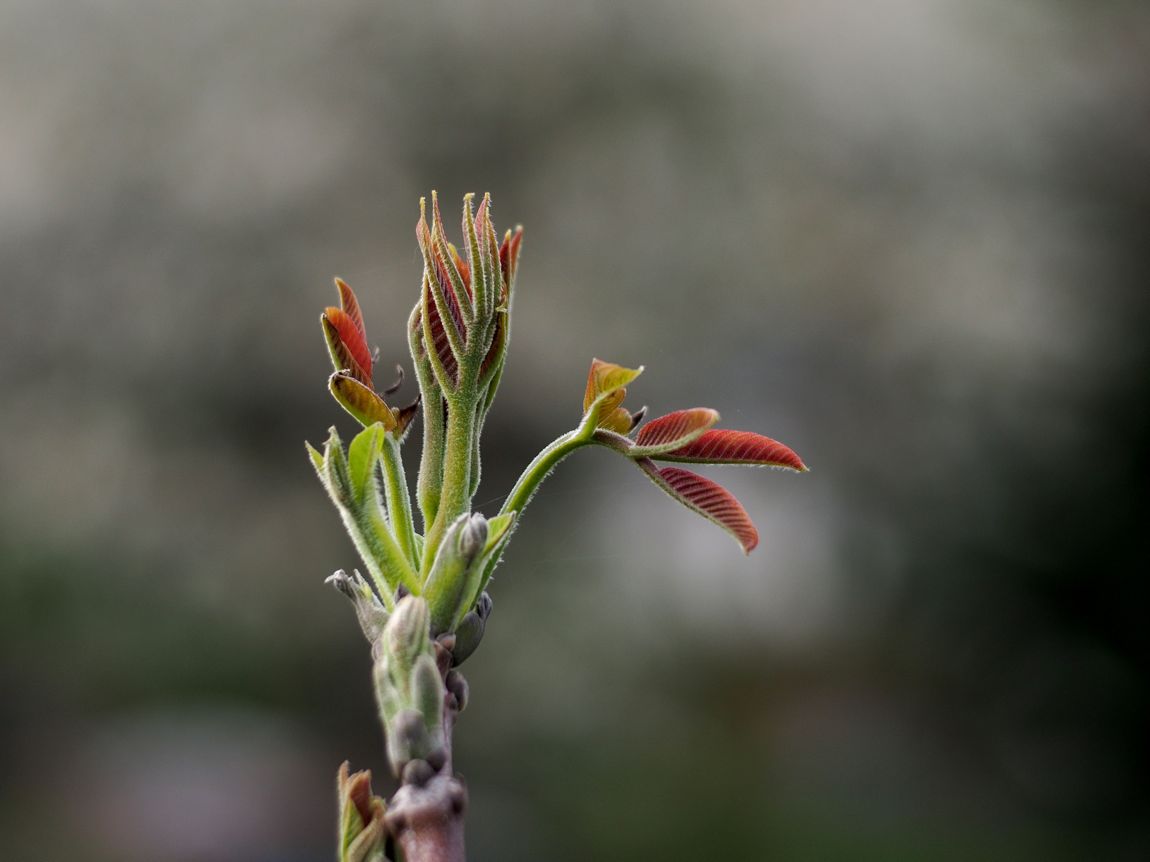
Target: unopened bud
[406,632]
[458,688]
[452,577]
[417,772]
[407,739]
[473,536]
[468,634]
[483,606]
[427,690]
[369,610]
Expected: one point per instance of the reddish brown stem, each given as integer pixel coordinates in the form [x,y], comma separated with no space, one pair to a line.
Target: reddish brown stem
[425,820]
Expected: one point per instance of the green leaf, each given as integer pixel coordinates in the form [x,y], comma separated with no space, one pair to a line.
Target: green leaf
[316,460]
[447,585]
[498,531]
[606,389]
[362,456]
[360,401]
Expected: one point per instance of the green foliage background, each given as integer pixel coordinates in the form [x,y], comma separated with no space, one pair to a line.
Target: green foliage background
[906,238]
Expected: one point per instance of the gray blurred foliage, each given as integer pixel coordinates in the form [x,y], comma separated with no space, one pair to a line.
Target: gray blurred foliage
[906,237]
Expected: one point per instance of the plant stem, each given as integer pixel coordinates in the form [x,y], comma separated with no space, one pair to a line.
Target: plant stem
[454,493]
[540,468]
[426,821]
[398,498]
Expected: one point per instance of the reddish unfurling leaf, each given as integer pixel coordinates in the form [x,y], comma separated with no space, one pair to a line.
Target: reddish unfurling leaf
[674,430]
[509,259]
[350,305]
[707,498]
[439,340]
[489,250]
[347,347]
[445,256]
[735,447]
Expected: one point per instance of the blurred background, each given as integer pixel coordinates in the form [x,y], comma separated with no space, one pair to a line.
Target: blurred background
[906,237]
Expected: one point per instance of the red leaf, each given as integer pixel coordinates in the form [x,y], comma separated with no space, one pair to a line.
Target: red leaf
[489,249]
[347,347]
[509,259]
[736,447]
[443,263]
[707,498]
[498,344]
[674,430]
[350,304]
[440,343]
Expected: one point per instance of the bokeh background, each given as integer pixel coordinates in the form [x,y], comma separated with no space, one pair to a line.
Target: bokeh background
[908,237]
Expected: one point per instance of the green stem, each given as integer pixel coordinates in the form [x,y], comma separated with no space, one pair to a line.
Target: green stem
[385,562]
[454,495]
[398,498]
[532,477]
[431,461]
[539,469]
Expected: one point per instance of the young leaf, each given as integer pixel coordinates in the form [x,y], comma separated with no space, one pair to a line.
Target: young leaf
[709,499]
[735,447]
[509,260]
[489,251]
[350,306]
[606,389]
[435,335]
[606,378]
[342,356]
[440,304]
[618,420]
[362,456]
[360,401]
[456,286]
[351,338]
[673,431]
[498,532]
[316,459]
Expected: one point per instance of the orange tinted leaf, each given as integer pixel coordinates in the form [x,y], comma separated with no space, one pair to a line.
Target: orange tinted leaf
[674,430]
[736,447]
[360,401]
[350,305]
[509,259]
[404,415]
[342,356]
[607,378]
[707,498]
[461,265]
[618,420]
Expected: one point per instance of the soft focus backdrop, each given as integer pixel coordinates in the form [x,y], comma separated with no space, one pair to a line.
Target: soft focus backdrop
[907,237]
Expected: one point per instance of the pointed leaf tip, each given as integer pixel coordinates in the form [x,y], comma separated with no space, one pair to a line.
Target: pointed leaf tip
[707,498]
[606,389]
[350,305]
[736,447]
